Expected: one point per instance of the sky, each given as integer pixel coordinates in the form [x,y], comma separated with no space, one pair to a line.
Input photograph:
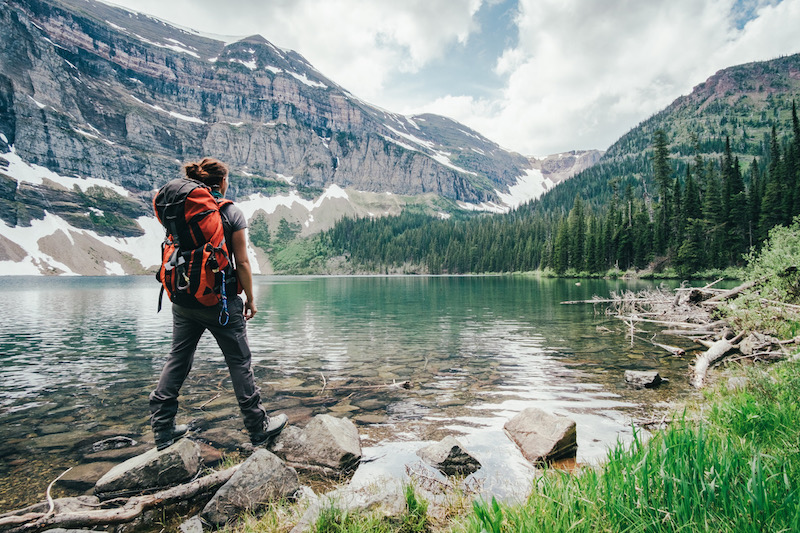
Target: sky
[536,76]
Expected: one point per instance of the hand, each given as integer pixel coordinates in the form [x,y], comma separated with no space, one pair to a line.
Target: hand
[250,309]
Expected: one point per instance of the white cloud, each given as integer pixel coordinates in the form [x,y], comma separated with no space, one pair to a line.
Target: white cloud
[359,44]
[579,75]
[585,72]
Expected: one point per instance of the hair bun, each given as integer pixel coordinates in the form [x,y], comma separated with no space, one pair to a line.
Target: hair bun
[209,171]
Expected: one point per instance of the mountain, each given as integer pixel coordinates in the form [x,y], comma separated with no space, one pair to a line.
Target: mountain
[689,190]
[740,105]
[99,106]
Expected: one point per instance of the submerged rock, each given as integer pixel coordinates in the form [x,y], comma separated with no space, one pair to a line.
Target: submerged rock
[449,457]
[542,436]
[643,379]
[117,454]
[112,443]
[262,478]
[327,444]
[152,469]
[224,438]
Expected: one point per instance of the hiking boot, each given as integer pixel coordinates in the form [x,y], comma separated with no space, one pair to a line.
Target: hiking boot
[167,437]
[272,425]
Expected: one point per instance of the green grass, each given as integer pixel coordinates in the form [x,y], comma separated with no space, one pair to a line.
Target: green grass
[738,471]
[413,520]
[735,467]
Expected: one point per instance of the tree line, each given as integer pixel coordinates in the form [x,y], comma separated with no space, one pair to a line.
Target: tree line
[690,214]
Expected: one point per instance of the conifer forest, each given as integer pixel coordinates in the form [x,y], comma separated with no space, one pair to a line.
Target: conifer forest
[690,201]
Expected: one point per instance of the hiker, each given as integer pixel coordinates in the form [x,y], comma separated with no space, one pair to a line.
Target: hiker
[225,319]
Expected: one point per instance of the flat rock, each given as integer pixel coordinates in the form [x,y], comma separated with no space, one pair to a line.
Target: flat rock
[261,479]
[209,455]
[224,438]
[541,436]
[60,505]
[60,440]
[370,419]
[83,477]
[327,445]
[152,469]
[643,379]
[449,457]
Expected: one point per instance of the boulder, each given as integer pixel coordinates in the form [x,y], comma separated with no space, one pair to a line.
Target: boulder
[327,445]
[152,469]
[385,498]
[541,436]
[262,478]
[449,457]
[643,380]
[737,383]
[192,525]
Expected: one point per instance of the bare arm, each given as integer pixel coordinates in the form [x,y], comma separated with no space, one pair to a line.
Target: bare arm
[244,272]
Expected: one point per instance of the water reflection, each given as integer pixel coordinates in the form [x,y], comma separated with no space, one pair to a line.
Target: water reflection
[79,356]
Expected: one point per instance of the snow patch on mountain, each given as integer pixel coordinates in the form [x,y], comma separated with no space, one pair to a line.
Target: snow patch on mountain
[269,204]
[529,186]
[304,79]
[23,171]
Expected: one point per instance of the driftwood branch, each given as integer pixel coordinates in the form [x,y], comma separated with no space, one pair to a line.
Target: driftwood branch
[609,300]
[674,350]
[716,351]
[662,322]
[133,507]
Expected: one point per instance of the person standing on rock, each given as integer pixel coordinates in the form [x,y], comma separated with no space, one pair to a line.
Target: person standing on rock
[189,324]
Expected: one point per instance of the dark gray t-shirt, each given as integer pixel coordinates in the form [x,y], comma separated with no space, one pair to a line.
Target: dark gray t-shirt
[233,220]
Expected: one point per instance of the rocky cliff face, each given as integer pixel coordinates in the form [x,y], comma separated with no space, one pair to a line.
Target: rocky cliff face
[559,167]
[99,106]
[93,90]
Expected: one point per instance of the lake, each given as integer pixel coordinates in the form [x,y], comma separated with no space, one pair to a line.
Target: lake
[78,357]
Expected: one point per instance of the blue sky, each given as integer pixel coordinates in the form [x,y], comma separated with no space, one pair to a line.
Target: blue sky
[536,76]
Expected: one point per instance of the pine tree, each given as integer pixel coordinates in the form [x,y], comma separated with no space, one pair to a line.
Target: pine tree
[714,221]
[661,175]
[577,233]
[560,259]
[772,204]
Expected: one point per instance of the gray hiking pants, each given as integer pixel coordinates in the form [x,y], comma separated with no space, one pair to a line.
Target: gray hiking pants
[188,325]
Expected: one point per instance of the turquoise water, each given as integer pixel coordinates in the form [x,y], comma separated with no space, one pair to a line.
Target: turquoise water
[78,357]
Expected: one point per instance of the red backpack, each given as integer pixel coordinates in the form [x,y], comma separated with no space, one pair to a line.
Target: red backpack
[195,263]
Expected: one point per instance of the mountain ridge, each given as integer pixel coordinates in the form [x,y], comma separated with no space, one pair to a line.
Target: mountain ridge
[93,91]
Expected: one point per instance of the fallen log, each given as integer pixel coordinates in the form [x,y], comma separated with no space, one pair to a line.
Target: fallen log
[727,295]
[662,322]
[689,332]
[611,300]
[132,508]
[716,351]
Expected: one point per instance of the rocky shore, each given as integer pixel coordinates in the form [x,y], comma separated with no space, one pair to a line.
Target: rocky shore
[190,479]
